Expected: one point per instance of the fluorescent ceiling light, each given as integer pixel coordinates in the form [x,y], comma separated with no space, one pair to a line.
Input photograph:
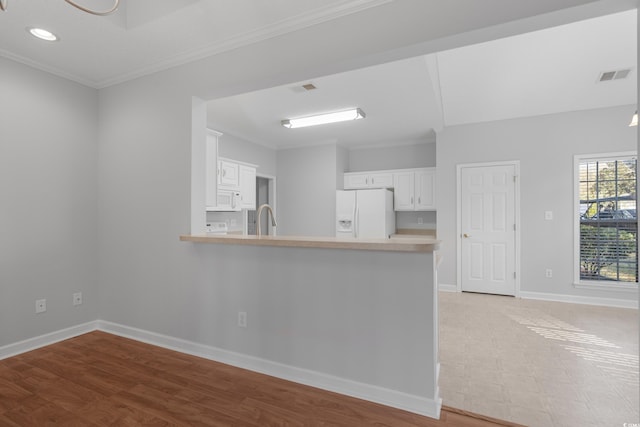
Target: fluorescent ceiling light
[321,119]
[43,34]
[634,119]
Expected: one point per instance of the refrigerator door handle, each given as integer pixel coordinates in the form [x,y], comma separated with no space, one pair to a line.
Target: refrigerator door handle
[356,225]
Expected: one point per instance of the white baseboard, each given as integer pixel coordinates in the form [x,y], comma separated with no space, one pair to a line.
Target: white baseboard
[47,339]
[396,399]
[393,398]
[447,288]
[574,299]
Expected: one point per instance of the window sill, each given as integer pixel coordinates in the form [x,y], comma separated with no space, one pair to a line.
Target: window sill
[607,286]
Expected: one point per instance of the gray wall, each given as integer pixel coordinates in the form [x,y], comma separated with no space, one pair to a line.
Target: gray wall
[545,147]
[48,215]
[235,148]
[342,165]
[393,157]
[306,191]
[147,278]
[329,311]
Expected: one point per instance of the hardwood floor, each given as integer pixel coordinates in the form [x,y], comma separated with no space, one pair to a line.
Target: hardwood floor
[100,379]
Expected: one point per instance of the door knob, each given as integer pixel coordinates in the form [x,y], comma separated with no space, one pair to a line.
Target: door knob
[466,236]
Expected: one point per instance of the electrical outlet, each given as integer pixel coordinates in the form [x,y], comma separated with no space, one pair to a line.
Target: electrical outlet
[41,305]
[242,319]
[549,273]
[77,298]
[419,220]
[548,215]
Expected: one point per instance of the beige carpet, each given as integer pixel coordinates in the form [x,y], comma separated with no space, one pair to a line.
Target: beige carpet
[539,363]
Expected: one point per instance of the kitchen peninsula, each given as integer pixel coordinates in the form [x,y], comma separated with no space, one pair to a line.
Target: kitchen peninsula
[395,244]
[354,316]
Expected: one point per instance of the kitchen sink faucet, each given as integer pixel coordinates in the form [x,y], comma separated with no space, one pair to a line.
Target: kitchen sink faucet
[259,215]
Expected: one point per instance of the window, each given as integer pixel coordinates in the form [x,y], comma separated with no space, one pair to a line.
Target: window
[606,220]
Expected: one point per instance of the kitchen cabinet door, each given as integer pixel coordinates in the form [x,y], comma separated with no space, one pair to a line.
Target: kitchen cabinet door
[357,181]
[381,180]
[247,187]
[403,191]
[228,174]
[425,190]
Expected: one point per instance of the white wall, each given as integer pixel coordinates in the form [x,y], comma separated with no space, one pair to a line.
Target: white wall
[545,147]
[48,215]
[392,157]
[306,191]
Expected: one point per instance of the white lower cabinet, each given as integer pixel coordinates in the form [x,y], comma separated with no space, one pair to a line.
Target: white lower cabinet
[415,190]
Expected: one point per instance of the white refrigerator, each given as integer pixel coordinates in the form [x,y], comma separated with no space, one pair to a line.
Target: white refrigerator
[365,213]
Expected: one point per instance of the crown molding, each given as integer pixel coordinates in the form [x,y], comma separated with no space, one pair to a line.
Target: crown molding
[276,29]
[51,70]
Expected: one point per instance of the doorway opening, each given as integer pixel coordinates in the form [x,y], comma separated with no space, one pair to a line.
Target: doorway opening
[265,194]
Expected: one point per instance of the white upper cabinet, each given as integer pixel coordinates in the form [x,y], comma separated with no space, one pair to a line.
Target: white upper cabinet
[425,190]
[403,191]
[228,174]
[358,180]
[415,190]
[234,183]
[247,187]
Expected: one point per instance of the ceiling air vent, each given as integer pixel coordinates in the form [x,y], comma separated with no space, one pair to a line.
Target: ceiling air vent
[607,76]
[304,88]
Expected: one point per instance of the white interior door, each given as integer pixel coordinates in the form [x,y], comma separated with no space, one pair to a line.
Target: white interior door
[487,226]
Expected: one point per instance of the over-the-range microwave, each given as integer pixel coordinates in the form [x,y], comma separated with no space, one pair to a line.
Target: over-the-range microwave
[228,201]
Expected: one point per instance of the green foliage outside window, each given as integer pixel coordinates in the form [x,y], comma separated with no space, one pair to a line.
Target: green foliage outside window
[604,247]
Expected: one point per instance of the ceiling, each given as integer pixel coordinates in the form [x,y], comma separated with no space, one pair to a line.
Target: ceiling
[145,36]
[543,72]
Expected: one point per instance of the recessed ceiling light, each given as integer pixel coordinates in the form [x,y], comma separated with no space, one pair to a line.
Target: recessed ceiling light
[43,34]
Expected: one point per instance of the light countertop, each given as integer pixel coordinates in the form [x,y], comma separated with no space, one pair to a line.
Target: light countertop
[395,244]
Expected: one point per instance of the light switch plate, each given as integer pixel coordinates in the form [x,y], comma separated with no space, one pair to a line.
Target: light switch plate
[548,215]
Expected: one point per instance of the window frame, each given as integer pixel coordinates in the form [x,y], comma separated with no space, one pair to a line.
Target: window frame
[578,282]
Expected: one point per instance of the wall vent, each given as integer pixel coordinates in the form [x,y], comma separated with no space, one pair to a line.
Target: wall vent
[607,76]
